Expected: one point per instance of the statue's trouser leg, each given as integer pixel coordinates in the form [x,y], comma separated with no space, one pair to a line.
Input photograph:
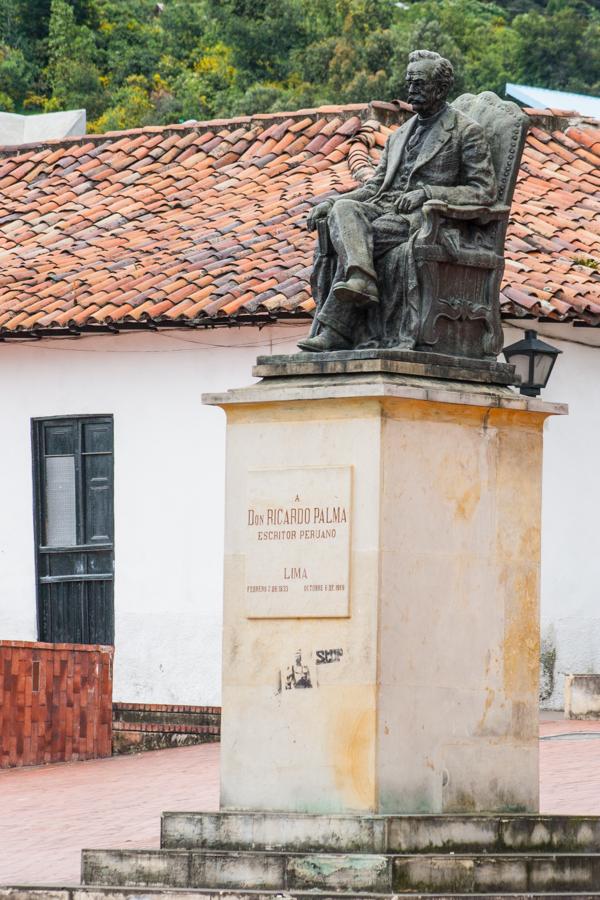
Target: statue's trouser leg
[391,235]
[351,233]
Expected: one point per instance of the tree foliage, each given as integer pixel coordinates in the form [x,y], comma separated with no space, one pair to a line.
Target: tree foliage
[137,62]
[71,74]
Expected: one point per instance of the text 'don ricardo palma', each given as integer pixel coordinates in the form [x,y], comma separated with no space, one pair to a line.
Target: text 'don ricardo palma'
[297,542]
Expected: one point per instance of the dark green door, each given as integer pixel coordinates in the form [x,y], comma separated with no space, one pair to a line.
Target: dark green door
[73,469]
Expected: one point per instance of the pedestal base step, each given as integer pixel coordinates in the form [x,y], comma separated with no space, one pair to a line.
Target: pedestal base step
[266,856]
[379,833]
[343,872]
[97,892]
[393,362]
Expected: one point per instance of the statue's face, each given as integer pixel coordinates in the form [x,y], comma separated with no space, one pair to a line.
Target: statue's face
[425,93]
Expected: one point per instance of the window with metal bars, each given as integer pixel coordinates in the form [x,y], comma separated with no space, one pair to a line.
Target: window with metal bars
[74,527]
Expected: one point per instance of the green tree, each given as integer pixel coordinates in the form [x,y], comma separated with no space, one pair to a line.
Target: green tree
[27,22]
[130,39]
[561,48]
[262,34]
[72,74]
[132,107]
[475,35]
[135,62]
[185,25]
[199,92]
[350,55]
[16,76]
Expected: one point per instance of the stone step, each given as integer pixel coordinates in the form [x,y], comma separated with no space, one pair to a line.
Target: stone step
[98,892]
[343,872]
[379,834]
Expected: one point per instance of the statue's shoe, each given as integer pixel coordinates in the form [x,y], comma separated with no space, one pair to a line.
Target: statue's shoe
[327,339]
[357,290]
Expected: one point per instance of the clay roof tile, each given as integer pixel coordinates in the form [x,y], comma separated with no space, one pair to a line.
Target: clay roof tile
[207,220]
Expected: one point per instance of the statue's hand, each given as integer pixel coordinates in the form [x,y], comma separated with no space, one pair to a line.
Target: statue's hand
[319,212]
[410,201]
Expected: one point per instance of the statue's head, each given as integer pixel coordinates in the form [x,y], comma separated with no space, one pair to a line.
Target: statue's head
[429,78]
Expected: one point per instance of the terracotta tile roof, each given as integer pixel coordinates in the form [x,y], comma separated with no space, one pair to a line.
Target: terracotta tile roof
[203,224]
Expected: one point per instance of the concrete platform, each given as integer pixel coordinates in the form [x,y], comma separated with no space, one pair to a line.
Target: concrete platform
[344,873]
[290,853]
[97,892]
[380,834]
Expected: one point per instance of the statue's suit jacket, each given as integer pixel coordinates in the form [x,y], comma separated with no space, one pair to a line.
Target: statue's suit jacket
[454,163]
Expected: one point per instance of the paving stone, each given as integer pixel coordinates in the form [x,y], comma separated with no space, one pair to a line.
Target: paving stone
[506,874]
[95,893]
[500,874]
[30,893]
[136,867]
[237,869]
[264,831]
[408,834]
[560,833]
[429,873]
[98,892]
[341,872]
[564,873]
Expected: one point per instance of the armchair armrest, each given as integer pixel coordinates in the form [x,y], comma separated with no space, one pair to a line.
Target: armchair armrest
[435,211]
[484,214]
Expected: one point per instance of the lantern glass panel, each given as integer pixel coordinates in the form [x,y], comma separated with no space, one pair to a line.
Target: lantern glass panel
[521,363]
[542,363]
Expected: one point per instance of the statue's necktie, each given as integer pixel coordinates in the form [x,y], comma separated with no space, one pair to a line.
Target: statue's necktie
[416,136]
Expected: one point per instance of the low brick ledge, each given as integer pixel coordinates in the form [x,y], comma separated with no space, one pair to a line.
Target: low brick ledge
[166,707]
[41,645]
[161,728]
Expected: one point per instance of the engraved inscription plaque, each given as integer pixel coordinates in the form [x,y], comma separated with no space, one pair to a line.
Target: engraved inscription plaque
[298,542]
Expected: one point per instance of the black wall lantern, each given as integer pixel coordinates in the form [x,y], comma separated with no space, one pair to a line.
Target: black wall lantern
[533,361]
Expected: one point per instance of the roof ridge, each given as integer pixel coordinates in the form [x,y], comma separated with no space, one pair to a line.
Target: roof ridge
[561,119]
[345,110]
[554,119]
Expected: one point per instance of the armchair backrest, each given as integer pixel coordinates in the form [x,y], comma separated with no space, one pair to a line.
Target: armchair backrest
[505,125]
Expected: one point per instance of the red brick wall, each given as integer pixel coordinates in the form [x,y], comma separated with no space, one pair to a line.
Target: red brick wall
[55,702]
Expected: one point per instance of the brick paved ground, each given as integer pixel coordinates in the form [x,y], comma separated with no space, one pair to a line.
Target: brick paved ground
[570,767]
[48,814]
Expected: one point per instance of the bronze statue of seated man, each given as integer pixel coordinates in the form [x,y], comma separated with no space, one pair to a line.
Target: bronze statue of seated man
[438,154]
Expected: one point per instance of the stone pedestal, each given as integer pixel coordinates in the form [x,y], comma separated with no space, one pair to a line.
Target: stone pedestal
[381,634]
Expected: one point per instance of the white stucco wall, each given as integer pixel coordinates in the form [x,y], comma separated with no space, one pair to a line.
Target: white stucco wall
[571,511]
[169,488]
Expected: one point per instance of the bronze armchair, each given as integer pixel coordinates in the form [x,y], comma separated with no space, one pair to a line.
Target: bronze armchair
[459,250]
[454,264]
